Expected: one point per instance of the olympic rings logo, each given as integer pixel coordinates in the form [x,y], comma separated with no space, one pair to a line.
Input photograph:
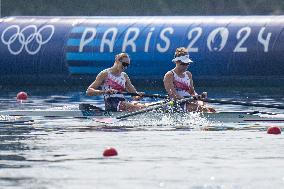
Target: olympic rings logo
[30,37]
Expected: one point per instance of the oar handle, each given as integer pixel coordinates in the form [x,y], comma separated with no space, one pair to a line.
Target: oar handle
[145,95]
[210,100]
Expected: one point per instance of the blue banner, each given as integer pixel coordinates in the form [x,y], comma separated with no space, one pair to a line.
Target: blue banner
[61,48]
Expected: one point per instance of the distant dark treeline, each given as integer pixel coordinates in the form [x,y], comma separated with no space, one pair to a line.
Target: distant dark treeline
[140,7]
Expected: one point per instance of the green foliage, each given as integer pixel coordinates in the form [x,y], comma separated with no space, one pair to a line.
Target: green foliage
[140,7]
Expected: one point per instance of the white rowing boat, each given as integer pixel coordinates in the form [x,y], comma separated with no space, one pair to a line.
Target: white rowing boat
[241,117]
[236,117]
[6,119]
[53,113]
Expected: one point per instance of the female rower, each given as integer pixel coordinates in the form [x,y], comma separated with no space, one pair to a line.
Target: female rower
[111,82]
[179,84]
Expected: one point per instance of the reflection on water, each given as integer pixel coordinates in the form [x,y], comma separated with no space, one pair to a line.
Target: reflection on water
[155,150]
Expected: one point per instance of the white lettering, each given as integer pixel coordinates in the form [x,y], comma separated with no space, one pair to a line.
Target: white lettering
[146,48]
[108,42]
[165,39]
[130,42]
[84,41]
[216,39]
[264,42]
[239,47]
[221,32]
[198,31]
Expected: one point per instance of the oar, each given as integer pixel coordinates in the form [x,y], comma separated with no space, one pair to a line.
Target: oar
[86,106]
[90,107]
[145,95]
[144,110]
[211,100]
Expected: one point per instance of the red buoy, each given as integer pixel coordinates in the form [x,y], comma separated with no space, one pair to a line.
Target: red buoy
[110,151]
[22,96]
[274,130]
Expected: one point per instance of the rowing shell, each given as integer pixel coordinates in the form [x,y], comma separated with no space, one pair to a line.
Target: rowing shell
[54,113]
[240,117]
[237,117]
[6,119]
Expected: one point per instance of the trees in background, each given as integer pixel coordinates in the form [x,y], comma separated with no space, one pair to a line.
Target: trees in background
[140,7]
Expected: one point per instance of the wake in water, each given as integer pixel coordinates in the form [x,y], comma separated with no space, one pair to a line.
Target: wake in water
[163,121]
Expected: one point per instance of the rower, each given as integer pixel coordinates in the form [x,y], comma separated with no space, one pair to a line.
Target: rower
[179,84]
[111,82]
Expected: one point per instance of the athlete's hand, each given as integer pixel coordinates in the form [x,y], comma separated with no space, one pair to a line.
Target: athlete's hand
[200,97]
[196,97]
[141,94]
[138,97]
[204,95]
[111,91]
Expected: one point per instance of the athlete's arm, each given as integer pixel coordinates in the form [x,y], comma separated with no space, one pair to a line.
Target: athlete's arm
[169,86]
[93,88]
[128,85]
[130,88]
[191,88]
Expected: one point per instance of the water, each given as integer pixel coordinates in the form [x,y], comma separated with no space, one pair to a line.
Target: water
[67,153]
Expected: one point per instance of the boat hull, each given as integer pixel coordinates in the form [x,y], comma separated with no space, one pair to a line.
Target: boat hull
[237,117]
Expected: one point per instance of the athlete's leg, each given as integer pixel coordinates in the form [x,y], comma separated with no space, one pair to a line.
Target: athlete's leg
[196,107]
[130,107]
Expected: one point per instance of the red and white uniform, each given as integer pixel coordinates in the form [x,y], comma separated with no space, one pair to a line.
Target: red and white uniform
[182,84]
[114,82]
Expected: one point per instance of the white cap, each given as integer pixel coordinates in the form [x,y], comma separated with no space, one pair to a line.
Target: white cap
[184,59]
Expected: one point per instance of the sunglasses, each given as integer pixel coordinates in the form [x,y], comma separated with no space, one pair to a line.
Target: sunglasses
[184,64]
[125,64]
